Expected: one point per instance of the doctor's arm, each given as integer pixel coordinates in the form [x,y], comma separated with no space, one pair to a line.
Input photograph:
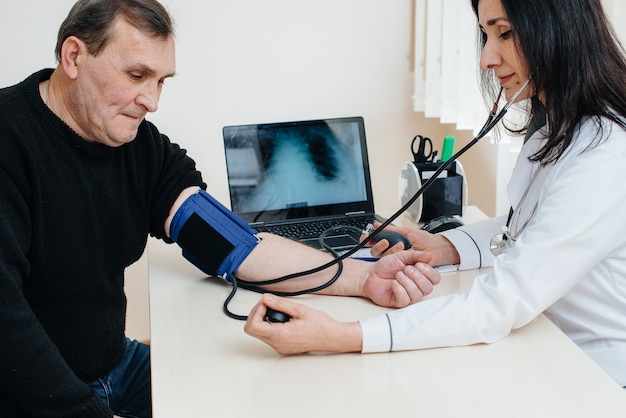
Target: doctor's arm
[308,330]
[437,249]
[563,248]
[467,246]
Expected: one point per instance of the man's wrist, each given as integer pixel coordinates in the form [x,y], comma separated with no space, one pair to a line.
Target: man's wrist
[353,278]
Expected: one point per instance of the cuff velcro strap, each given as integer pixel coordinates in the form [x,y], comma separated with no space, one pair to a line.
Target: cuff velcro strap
[212,237]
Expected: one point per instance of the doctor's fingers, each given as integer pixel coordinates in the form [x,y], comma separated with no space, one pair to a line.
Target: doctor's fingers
[382,248]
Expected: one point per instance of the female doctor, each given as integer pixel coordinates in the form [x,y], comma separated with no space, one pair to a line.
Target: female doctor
[562,249]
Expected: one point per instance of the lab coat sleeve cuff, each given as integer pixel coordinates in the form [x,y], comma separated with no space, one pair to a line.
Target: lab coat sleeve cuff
[376,331]
[467,247]
[472,242]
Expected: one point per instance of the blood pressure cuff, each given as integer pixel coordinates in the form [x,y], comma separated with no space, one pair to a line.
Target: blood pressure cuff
[212,237]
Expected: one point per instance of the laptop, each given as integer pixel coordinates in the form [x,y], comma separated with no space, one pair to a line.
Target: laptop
[298,179]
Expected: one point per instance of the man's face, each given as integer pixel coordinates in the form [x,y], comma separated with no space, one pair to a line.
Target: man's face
[117,88]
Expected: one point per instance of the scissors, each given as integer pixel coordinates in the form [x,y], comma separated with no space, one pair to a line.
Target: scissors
[421,156]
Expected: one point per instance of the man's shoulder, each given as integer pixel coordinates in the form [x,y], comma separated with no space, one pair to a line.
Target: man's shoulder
[148,135]
[10,96]
[15,99]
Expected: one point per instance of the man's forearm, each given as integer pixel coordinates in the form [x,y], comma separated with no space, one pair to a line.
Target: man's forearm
[275,257]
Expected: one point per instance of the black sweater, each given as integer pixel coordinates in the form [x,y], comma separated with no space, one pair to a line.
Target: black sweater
[73,215]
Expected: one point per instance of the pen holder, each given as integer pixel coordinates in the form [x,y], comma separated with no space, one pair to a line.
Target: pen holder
[446,196]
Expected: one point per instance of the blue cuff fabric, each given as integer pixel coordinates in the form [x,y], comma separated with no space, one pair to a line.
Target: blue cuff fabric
[212,237]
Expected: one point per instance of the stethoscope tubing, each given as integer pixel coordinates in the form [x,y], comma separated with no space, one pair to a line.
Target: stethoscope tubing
[492,120]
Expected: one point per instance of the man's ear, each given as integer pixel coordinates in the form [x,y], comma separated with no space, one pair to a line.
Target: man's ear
[72,52]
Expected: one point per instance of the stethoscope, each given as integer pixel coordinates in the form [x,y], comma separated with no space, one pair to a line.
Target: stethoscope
[503,241]
[492,120]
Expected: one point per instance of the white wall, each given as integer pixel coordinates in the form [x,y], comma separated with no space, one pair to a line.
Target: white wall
[248,61]
[616,9]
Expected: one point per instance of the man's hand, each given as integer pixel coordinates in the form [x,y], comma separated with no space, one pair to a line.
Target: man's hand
[400,279]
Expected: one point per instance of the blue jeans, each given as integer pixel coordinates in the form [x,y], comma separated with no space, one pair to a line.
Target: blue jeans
[126,389]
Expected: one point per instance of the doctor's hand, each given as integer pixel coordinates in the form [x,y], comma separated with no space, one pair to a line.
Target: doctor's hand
[307,330]
[400,279]
[437,249]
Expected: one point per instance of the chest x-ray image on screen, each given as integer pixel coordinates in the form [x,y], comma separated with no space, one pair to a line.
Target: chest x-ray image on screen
[277,168]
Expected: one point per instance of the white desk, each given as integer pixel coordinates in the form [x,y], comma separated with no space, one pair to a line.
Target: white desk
[204,365]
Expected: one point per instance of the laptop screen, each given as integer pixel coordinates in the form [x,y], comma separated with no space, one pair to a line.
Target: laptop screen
[301,169]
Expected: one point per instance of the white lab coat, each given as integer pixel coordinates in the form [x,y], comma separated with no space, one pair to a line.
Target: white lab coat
[569,262]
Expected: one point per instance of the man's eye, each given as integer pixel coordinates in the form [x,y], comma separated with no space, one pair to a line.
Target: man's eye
[135,76]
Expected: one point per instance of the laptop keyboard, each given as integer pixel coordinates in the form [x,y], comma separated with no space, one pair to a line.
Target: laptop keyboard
[313,229]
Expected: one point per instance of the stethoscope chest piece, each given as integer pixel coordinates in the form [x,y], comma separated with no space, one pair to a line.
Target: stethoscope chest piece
[500,243]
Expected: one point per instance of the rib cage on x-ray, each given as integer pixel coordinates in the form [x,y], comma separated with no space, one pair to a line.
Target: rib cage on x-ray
[298,166]
[297,162]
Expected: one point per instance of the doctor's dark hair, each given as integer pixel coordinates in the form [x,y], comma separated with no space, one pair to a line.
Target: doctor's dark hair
[91,21]
[577,62]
